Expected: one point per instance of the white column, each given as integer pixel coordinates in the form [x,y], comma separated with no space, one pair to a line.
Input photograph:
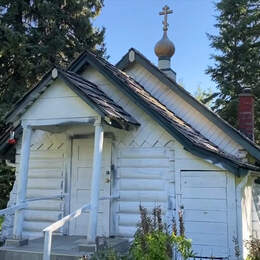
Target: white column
[95,184]
[22,180]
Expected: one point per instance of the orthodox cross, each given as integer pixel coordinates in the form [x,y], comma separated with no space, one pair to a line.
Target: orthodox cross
[165,12]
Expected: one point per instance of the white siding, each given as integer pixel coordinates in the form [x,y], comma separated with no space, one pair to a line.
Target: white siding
[149,163]
[183,109]
[144,177]
[148,166]
[46,178]
[204,197]
[256,210]
[58,102]
[208,196]
[144,163]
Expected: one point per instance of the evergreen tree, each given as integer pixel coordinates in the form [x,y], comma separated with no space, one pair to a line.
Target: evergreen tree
[37,34]
[237,62]
[34,36]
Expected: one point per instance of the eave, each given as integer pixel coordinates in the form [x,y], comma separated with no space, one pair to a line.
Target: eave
[241,139]
[229,164]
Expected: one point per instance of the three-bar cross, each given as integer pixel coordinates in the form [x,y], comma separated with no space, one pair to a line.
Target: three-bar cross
[165,12]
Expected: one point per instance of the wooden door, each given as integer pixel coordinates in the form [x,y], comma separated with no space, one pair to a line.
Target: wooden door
[205,203]
[81,175]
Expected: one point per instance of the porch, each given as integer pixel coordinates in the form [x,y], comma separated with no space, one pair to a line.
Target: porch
[63,248]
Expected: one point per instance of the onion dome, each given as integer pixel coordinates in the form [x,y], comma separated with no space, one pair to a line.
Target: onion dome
[164,47]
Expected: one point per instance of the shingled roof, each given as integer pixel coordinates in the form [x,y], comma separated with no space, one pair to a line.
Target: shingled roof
[238,136]
[97,98]
[87,90]
[192,140]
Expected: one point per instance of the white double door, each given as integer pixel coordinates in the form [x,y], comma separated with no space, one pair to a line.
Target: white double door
[81,176]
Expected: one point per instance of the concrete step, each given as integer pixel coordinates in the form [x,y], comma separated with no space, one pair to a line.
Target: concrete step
[23,255]
[63,248]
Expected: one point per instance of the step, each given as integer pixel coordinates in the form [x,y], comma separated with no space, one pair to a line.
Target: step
[23,255]
[63,248]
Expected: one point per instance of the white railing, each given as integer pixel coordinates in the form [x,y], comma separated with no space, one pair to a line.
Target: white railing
[60,223]
[25,204]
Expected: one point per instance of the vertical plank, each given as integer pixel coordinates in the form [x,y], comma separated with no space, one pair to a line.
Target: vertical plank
[67,180]
[232,218]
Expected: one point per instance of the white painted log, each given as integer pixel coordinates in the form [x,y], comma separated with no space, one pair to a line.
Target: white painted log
[143,153]
[69,217]
[133,207]
[95,184]
[137,162]
[141,173]
[42,215]
[54,173]
[32,193]
[141,184]
[22,180]
[46,164]
[49,205]
[35,226]
[142,196]
[11,210]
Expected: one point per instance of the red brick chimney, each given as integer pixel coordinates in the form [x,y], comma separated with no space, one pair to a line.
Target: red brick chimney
[246,113]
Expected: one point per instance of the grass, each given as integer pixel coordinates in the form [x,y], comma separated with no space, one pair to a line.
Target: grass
[1,221]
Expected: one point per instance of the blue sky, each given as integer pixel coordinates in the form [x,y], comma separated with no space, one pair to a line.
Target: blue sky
[137,24]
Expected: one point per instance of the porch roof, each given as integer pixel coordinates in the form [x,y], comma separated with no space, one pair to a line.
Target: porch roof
[85,89]
[114,114]
[97,99]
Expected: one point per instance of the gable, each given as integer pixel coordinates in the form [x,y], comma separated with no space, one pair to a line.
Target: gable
[57,102]
[89,93]
[217,121]
[184,110]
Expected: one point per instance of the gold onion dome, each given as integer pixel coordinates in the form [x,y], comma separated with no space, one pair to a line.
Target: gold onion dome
[164,47]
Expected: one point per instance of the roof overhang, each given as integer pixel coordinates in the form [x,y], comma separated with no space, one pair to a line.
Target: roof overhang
[228,163]
[241,139]
[31,96]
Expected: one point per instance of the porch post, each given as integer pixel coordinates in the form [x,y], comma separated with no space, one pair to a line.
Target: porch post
[97,164]
[22,180]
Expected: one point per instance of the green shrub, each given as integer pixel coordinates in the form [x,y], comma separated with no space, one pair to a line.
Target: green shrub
[153,241]
[106,254]
[7,177]
[253,246]
[1,222]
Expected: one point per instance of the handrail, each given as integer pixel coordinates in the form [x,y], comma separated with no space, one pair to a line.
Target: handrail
[60,223]
[24,205]
[12,209]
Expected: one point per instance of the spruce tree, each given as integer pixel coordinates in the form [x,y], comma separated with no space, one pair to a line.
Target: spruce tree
[37,34]
[34,36]
[237,62]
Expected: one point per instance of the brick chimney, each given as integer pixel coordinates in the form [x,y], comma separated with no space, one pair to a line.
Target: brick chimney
[246,113]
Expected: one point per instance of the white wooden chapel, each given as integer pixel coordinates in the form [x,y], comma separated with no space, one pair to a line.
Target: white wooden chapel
[129,134]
